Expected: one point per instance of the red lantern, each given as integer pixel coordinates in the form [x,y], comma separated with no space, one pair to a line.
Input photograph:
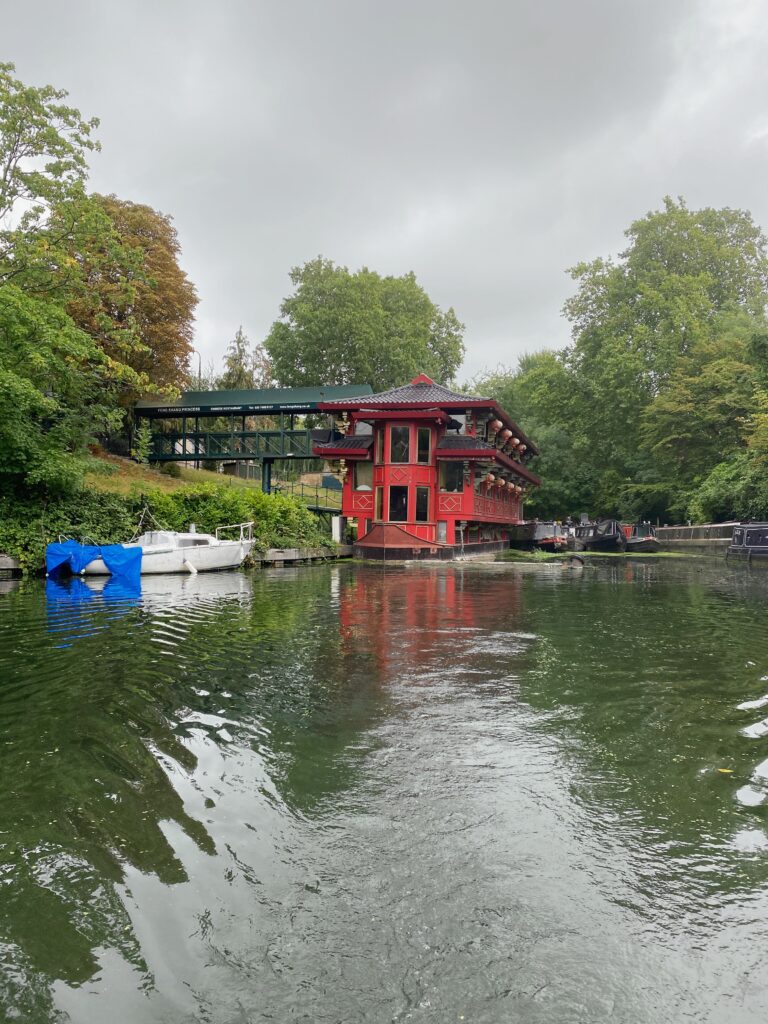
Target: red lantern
[506,434]
[523,448]
[495,426]
[490,478]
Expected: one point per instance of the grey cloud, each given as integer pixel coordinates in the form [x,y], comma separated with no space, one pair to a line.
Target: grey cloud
[486,146]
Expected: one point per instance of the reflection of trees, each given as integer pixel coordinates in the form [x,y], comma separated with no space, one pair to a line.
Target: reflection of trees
[101,697]
[297,669]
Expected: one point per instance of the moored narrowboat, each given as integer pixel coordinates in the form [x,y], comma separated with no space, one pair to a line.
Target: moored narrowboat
[607,536]
[749,541]
[604,535]
[641,539]
[549,536]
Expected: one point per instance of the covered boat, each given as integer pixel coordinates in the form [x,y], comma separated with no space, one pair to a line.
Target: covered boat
[604,535]
[749,541]
[157,551]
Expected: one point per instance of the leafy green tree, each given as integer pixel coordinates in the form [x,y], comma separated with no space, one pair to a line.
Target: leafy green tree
[142,444]
[702,414]
[352,328]
[43,168]
[633,319]
[60,381]
[56,389]
[736,488]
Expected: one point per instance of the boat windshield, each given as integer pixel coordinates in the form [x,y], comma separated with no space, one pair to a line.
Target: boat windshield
[156,538]
[605,529]
[644,530]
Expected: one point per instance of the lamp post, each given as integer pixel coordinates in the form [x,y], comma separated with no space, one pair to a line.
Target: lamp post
[199,367]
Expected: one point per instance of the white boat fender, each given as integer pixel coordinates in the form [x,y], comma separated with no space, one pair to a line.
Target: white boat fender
[189,567]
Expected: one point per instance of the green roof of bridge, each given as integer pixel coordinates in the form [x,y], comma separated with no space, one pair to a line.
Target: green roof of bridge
[266,400]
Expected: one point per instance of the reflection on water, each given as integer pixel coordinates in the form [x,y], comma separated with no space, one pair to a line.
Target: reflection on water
[373,793]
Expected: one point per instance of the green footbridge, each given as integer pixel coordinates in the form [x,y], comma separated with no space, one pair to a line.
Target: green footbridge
[240,426]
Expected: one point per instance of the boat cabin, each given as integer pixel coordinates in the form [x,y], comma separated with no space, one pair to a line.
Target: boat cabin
[749,540]
[428,472]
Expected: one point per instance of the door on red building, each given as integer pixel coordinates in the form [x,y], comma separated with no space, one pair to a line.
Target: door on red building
[398,504]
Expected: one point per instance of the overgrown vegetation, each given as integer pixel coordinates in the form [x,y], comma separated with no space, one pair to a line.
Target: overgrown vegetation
[659,406]
[340,327]
[27,525]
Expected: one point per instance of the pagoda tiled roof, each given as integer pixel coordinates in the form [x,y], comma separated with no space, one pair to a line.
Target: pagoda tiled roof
[418,393]
[360,443]
[422,394]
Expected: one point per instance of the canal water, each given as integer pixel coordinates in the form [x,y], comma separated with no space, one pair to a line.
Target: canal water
[481,793]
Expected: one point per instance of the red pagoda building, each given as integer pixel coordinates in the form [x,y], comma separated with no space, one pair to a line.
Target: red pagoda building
[428,472]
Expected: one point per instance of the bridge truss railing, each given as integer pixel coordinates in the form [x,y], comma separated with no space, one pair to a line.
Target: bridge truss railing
[221,445]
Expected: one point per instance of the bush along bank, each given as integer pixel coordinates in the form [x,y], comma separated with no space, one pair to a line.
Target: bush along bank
[27,525]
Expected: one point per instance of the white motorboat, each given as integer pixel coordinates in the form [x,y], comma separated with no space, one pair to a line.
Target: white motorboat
[193,552]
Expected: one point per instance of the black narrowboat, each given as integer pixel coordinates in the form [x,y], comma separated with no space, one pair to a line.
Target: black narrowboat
[641,539]
[604,535]
[749,541]
[608,536]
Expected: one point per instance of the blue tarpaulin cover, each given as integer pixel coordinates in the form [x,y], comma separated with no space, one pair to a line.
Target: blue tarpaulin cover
[120,560]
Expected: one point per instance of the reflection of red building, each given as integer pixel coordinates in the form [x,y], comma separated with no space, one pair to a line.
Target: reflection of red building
[428,470]
[430,614]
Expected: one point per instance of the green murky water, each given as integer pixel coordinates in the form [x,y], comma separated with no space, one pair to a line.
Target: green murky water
[485,793]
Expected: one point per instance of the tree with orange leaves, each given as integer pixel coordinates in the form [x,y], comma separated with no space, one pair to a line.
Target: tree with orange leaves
[149,300]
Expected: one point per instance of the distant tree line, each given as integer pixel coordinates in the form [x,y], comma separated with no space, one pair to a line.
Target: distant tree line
[659,406]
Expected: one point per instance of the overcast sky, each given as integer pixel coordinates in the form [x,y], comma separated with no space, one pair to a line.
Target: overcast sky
[485,145]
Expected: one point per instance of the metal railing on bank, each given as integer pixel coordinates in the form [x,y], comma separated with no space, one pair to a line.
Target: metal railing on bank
[311,494]
[702,532]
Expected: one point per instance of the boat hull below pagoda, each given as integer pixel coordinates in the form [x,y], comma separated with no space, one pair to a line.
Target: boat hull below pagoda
[522,535]
[390,543]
